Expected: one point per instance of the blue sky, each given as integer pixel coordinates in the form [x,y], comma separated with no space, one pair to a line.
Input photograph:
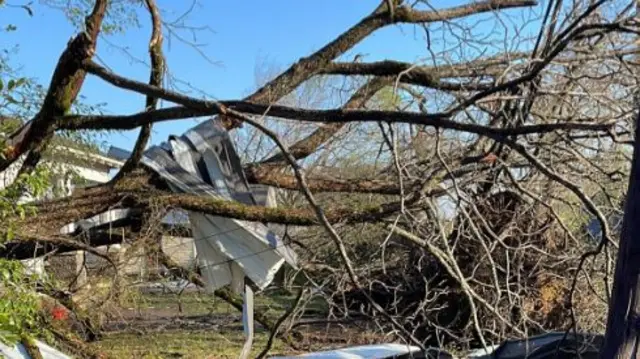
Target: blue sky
[242,36]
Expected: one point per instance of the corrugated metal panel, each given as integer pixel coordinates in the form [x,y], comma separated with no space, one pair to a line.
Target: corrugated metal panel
[204,162]
[118,153]
[198,167]
[546,346]
[264,195]
[373,351]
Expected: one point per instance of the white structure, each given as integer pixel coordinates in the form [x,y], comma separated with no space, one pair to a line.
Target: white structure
[373,351]
[18,351]
[65,163]
[90,167]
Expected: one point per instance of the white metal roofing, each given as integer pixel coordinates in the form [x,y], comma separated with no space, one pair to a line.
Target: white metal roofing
[203,162]
[373,351]
[18,351]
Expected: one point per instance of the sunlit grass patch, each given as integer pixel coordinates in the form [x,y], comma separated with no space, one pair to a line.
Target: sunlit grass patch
[183,344]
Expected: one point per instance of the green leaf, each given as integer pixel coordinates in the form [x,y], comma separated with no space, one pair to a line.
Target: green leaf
[11,85]
[1,85]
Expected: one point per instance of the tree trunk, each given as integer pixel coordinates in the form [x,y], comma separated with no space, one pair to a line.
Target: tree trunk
[623,324]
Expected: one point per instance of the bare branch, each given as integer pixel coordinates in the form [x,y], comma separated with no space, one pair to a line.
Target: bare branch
[155,79]
[436,120]
[310,66]
[308,145]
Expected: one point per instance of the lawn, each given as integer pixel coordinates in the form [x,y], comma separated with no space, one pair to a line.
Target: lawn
[199,303]
[191,325]
[183,344]
[199,325]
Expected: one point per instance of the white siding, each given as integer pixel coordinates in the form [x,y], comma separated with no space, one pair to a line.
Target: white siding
[95,169]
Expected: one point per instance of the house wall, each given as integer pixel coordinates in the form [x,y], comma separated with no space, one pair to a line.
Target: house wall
[9,175]
[94,169]
[73,268]
[132,262]
[181,250]
[95,174]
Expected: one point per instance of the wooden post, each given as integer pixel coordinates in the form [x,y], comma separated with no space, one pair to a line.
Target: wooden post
[81,270]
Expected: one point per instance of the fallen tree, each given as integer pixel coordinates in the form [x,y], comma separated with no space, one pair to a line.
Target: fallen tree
[549,126]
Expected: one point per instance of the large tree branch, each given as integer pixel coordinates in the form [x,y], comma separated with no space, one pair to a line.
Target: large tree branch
[42,238]
[476,68]
[436,120]
[138,192]
[65,85]
[280,215]
[407,73]
[307,67]
[429,76]
[276,176]
[194,107]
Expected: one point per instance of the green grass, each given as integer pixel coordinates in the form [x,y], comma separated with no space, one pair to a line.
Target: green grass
[225,341]
[183,344]
[273,304]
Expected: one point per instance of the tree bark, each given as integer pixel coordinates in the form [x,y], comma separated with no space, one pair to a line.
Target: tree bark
[623,324]
[63,90]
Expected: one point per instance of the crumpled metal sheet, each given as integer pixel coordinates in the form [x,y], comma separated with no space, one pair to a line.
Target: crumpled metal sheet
[204,162]
[18,351]
[558,345]
[546,346]
[372,351]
